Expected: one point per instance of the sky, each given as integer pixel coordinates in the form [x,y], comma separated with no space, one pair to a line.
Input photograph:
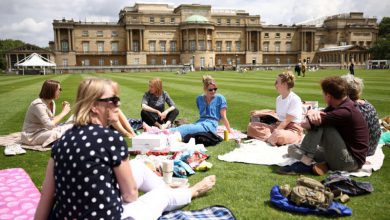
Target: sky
[31,20]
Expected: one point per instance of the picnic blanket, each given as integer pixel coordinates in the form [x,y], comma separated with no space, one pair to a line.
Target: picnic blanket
[260,152]
[14,138]
[215,212]
[18,195]
[235,135]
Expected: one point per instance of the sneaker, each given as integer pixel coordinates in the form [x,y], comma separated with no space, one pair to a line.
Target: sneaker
[295,169]
[320,169]
[295,152]
[13,149]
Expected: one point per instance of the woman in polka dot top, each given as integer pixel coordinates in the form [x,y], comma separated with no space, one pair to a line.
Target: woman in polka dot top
[89,175]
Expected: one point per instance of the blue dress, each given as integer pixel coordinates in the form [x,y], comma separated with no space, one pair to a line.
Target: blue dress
[209,116]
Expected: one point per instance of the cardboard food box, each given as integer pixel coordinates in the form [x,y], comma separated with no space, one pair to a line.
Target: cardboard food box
[146,142]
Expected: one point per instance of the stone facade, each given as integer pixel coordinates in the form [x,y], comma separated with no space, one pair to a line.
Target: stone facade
[160,34]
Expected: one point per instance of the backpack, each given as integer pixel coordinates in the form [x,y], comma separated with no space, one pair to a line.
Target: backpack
[205,138]
[309,192]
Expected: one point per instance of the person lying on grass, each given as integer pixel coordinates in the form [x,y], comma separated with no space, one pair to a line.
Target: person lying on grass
[89,175]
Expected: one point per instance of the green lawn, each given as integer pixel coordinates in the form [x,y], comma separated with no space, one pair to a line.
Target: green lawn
[241,187]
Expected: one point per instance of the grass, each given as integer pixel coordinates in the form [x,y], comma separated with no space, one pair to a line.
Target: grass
[244,188]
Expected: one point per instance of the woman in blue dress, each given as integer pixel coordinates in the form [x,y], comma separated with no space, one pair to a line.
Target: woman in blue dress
[212,109]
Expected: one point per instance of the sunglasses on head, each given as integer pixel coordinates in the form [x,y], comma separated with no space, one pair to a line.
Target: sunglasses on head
[114,100]
[210,90]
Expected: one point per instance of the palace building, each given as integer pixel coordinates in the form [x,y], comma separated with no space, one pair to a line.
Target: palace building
[161,34]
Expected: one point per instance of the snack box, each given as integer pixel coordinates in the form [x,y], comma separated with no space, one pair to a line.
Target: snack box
[147,141]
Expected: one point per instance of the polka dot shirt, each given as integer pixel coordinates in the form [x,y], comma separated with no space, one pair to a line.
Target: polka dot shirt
[85,183]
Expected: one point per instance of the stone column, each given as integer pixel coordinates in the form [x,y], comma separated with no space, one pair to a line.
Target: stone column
[196,39]
[57,39]
[187,39]
[250,40]
[131,40]
[141,42]
[127,41]
[258,41]
[205,40]
[69,41]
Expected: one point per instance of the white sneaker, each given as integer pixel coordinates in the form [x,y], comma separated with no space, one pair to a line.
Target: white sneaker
[19,149]
[13,149]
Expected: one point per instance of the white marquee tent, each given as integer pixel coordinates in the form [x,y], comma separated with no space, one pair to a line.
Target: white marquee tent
[35,60]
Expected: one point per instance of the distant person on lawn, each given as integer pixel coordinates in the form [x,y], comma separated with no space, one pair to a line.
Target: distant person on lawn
[340,131]
[153,106]
[41,126]
[355,90]
[89,175]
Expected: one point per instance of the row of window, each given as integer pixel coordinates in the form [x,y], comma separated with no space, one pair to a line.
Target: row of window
[99,34]
[100,46]
[277,35]
[163,46]
[162,20]
[229,21]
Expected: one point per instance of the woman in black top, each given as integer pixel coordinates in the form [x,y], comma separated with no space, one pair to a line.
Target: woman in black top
[153,106]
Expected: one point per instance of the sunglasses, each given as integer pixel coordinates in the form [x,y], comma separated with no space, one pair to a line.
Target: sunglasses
[114,100]
[210,90]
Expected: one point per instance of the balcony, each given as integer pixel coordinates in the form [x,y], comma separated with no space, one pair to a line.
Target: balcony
[100,52]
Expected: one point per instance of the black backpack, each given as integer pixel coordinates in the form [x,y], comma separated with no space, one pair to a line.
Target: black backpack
[205,138]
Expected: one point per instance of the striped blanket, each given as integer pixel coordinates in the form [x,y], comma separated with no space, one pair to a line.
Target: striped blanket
[215,212]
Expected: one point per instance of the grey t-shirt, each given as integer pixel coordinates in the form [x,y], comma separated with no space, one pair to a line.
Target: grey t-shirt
[157,102]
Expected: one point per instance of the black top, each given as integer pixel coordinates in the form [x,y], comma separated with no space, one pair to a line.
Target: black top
[85,183]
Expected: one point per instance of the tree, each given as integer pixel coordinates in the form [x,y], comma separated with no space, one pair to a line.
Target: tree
[381,48]
[6,45]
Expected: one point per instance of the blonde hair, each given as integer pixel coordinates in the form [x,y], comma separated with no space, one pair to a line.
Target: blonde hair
[287,77]
[157,84]
[208,80]
[89,90]
[355,86]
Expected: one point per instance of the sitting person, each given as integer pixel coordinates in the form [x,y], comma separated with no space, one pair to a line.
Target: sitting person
[41,126]
[212,108]
[289,111]
[153,106]
[340,131]
[355,89]
[89,175]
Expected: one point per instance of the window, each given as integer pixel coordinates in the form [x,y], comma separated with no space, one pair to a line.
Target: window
[288,35]
[219,61]
[228,46]
[277,35]
[135,46]
[85,62]
[162,20]
[266,47]
[266,35]
[288,46]
[192,45]
[164,61]
[228,21]
[153,61]
[172,20]
[209,45]
[277,46]
[85,34]
[115,62]
[99,33]
[173,46]
[229,61]
[85,46]
[238,61]
[277,60]
[218,21]
[65,46]
[114,34]
[219,46]
[152,46]
[114,46]
[173,61]
[202,62]
[65,62]
[101,62]
[100,46]
[151,20]
[162,46]
[201,45]
[238,21]
[238,45]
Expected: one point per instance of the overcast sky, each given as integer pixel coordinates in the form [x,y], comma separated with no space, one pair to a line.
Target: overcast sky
[31,20]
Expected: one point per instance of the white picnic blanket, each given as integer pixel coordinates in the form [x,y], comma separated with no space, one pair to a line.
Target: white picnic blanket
[259,152]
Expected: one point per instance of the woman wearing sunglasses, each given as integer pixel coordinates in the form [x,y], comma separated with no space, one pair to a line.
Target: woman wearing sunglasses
[153,106]
[89,175]
[212,108]
[41,126]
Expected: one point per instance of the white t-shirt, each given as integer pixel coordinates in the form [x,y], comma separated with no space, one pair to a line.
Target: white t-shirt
[291,105]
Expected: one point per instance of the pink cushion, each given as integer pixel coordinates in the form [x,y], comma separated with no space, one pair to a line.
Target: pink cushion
[18,195]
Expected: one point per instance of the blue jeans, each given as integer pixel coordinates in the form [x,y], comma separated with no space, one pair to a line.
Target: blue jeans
[199,126]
